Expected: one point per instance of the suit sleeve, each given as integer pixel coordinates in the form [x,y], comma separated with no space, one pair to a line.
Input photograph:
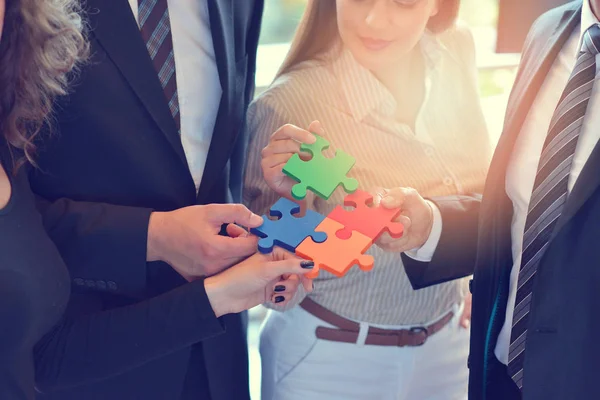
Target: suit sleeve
[100,242]
[456,252]
[81,350]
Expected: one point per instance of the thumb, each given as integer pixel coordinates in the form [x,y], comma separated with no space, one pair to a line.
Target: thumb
[404,198]
[233,213]
[317,128]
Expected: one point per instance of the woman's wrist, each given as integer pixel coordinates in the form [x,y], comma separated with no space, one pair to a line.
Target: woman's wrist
[217,296]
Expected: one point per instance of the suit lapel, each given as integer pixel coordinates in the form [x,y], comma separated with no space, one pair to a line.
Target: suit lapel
[587,183]
[226,125]
[533,71]
[114,26]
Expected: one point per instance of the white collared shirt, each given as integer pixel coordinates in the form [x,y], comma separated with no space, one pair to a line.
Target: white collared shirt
[198,85]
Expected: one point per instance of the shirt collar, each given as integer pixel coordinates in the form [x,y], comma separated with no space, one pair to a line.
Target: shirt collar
[363,92]
[587,19]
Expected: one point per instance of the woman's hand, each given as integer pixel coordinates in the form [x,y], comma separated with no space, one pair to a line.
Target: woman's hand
[465,318]
[416,216]
[259,279]
[284,143]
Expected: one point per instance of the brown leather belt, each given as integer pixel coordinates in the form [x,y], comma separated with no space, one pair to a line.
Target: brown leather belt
[349,330]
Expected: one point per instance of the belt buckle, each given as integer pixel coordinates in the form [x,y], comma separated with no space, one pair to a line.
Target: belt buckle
[420,329]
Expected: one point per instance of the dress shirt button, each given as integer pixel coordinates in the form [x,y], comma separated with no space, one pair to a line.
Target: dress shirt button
[448,181]
[90,283]
[112,286]
[101,285]
[78,282]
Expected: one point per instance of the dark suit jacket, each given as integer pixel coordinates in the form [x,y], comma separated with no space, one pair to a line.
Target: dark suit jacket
[115,158]
[561,360]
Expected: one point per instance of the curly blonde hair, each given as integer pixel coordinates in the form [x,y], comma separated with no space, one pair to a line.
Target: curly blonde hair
[42,42]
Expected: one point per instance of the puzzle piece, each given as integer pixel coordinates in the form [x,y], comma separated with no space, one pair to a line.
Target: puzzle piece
[336,255]
[370,221]
[320,174]
[288,231]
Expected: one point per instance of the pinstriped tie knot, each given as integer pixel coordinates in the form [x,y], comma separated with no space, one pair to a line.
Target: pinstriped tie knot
[591,41]
[550,190]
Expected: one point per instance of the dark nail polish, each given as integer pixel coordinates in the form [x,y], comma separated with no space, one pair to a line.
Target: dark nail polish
[307,264]
[279,299]
[280,288]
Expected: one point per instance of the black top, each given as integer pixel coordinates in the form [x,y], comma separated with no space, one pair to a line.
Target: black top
[38,345]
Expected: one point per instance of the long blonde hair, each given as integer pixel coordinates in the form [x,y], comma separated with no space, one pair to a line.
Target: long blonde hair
[318,30]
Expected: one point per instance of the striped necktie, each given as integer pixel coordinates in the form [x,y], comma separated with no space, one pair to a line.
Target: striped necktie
[550,189]
[155,26]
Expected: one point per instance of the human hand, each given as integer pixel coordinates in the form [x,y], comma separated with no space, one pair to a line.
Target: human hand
[262,278]
[188,239]
[283,144]
[465,318]
[416,216]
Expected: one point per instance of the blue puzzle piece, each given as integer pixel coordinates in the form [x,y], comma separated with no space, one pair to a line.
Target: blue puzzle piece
[288,231]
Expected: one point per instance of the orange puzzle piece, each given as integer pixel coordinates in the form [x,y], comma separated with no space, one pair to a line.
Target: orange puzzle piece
[336,255]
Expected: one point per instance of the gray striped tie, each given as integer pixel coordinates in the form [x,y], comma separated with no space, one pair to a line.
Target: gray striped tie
[550,190]
[155,27]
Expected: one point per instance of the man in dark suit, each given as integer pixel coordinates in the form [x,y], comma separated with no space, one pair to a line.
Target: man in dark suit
[534,238]
[153,130]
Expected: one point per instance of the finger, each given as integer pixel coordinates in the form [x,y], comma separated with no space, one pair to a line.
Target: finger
[378,193]
[280,299]
[394,198]
[235,231]
[281,147]
[233,213]
[275,160]
[307,283]
[406,222]
[286,287]
[234,248]
[317,128]
[290,131]
[294,265]
[465,321]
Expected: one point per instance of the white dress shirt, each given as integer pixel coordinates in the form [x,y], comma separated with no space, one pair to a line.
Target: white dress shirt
[198,86]
[522,167]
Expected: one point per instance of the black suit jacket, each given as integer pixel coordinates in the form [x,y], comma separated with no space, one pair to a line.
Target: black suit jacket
[116,157]
[562,343]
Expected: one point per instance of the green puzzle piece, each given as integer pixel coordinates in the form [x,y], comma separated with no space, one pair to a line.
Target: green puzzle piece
[320,174]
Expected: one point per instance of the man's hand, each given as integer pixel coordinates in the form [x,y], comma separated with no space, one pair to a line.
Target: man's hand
[262,278]
[417,218]
[188,239]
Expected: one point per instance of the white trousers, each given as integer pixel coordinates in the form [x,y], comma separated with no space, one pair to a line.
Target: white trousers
[298,366]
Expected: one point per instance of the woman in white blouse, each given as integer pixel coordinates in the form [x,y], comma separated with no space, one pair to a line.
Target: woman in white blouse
[392,83]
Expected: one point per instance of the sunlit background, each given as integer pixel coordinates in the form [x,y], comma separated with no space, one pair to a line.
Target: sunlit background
[496,75]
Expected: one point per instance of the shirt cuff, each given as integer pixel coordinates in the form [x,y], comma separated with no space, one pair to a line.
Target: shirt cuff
[425,252]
